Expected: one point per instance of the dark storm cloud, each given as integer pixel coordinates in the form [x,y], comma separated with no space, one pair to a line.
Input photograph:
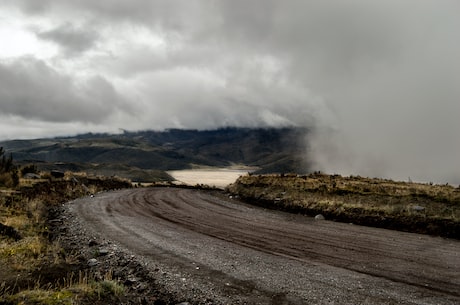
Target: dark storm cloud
[33,90]
[170,15]
[72,39]
[376,80]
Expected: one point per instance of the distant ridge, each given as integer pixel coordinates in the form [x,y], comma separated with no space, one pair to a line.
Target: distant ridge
[273,150]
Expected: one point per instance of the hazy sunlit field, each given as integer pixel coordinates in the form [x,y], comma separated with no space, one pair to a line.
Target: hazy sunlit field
[212,177]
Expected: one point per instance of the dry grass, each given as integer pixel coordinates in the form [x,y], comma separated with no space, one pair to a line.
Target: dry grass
[73,289]
[388,202]
[24,254]
[25,210]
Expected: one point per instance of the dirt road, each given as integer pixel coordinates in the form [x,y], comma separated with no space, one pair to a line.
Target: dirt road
[213,249]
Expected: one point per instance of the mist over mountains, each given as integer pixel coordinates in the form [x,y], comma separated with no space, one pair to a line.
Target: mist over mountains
[375,82]
[143,155]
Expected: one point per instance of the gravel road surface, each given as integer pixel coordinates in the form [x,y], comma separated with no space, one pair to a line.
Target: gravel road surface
[210,249]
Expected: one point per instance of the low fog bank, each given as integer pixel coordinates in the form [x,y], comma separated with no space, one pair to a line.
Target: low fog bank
[402,156]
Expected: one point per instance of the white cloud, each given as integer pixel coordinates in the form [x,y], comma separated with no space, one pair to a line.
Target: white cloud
[17,39]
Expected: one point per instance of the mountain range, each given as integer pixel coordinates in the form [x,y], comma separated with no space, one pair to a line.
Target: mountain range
[146,155]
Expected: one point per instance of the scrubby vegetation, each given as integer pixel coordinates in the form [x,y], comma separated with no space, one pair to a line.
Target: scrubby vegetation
[34,268]
[8,172]
[407,206]
[83,288]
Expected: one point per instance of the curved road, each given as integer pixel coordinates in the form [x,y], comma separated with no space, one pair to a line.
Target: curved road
[207,244]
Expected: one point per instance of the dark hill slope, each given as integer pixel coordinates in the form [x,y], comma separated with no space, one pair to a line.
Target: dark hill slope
[257,147]
[272,150]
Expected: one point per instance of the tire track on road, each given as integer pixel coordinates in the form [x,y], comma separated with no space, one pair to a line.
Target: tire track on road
[424,262]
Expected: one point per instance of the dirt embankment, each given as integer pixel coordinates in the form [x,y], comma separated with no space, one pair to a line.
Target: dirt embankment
[411,207]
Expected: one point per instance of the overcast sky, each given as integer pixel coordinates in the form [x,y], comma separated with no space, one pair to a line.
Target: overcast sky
[378,81]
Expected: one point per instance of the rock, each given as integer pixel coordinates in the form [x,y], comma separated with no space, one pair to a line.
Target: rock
[93,243]
[103,252]
[141,287]
[54,221]
[31,176]
[9,232]
[418,208]
[319,217]
[92,262]
[130,281]
[57,174]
